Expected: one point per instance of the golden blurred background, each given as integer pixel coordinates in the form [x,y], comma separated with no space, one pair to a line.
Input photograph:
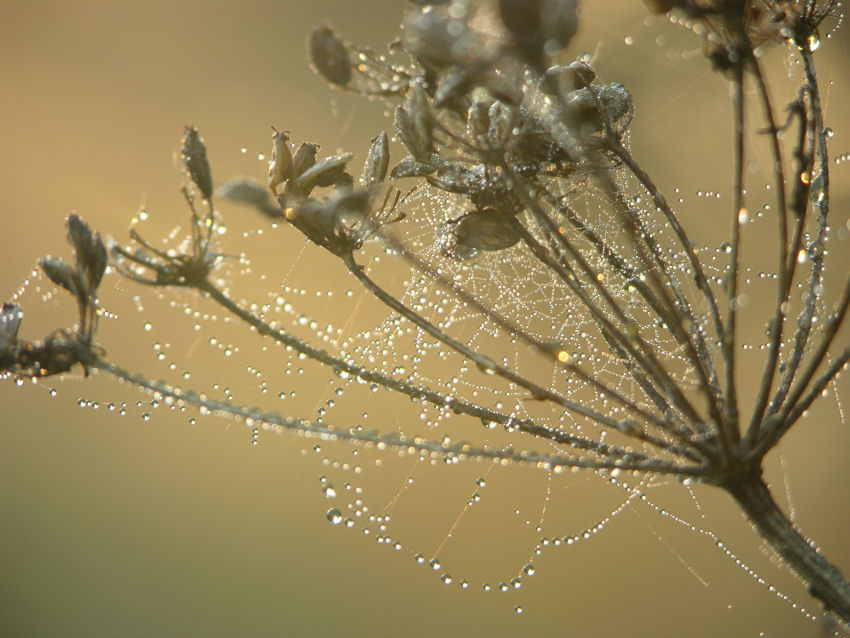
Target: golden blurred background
[121,526]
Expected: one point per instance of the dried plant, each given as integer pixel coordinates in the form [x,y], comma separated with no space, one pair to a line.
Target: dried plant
[506,139]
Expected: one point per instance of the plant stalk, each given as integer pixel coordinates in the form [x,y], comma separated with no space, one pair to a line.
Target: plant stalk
[825,582]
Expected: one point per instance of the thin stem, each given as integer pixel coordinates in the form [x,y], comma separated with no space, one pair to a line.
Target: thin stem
[661,202]
[487,365]
[730,332]
[646,358]
[824,580]
[458,406]
[253,415]
[783,281]
[546,349]
[777,426]
[805,319]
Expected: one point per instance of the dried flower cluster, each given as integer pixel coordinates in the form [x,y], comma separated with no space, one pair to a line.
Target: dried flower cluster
[490,114]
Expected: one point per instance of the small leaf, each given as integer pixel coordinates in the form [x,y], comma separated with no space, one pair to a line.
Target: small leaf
[195,160]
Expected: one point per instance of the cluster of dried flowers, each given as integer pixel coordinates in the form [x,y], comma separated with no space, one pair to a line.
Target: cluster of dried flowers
[485,114]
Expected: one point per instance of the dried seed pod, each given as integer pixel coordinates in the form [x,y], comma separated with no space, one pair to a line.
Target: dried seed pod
[329,56]
[409,167]
[409,134]
[591,108]
[377,160]
[484,229]
[565,79]
[420,117]
[455,84]
[280,168]
[305,157]
[195,160]
[501,125]
[10,320]
[326,172]
[61,274]
[478,119]
[433,37]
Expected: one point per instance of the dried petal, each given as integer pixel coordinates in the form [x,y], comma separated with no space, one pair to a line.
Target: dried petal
[280,167]
[96,264]
[81,239]
[420,116]
[61,274]
[305,157]
[90,256]
[329,56]
[377,160]
[410,135]
[195,160]
[326,172]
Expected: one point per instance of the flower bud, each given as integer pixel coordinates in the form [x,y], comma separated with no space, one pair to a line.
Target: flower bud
[195,160]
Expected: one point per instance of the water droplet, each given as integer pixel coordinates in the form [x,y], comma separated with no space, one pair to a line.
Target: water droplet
[334,516]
